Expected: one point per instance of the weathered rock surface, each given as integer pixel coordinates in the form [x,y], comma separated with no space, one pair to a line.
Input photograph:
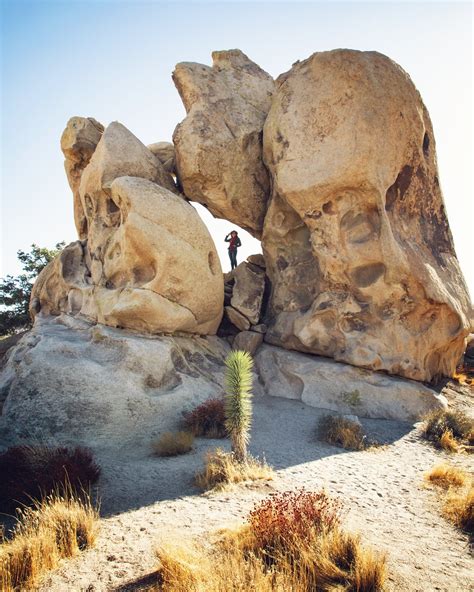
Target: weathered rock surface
[165,152]
[356,239]
[149,264]
[78,142]
[327,384]
[247,293]
[219,144]
[236,318]
[248,341]
[68,382]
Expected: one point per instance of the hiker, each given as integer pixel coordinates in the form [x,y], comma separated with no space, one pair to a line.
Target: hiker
[234,242]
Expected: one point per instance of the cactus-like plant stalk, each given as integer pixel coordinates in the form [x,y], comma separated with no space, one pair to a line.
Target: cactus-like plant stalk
[238,404]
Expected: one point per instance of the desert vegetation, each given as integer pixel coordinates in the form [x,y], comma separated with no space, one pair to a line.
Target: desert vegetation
[32,472]
[58,526]
[173,444]
[223,468]
[450,430]
[207,419]
[341,431]
[458,497]
[291,541]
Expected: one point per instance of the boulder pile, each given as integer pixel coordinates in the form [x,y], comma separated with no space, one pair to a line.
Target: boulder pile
[333,167]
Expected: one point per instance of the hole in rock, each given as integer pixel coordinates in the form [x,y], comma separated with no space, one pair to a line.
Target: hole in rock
[426,144]
[218,229]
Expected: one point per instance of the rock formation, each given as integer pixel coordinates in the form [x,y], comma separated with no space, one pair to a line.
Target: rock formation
[146,249]
[219,144]
[78,142]
[70,382]
[326,384]
[356,239]
[165,153]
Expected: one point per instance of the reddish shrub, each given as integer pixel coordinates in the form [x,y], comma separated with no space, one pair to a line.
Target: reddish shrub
[28,472]
[208,419]
[293,515]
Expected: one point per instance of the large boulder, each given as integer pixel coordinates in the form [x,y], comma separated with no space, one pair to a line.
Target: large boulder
[248,290]
[327,384]
[356,239]
[78,143]
[165,153]
[219,144]
[69,382]
[149,264]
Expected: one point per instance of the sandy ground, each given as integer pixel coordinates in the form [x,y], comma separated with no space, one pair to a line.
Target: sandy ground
[146,500]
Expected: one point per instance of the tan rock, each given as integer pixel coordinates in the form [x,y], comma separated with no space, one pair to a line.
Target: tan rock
[218,145]
[257,260]
[236,318]
[78,142]
[247,293]
[165,153]
[356,239]
[154,268]
[248,341]
[327,384]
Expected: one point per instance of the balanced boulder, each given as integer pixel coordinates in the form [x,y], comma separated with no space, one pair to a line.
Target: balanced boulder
[219,144]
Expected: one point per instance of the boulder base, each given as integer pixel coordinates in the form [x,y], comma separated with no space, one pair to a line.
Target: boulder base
[326,384]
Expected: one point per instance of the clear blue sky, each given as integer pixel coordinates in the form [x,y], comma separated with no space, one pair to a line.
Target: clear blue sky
[113,61]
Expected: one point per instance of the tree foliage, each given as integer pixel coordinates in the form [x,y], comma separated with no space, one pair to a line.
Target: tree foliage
[15,291]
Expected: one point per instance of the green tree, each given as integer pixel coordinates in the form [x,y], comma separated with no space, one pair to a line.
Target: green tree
[238,403]
[15,292]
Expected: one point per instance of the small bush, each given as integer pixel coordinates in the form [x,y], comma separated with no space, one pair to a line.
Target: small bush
[173,444]
[447,476]
[208,419]
[221,469]
[459,508]
[293,514]
[445,427]
[319,559]
[31,472]
[56,527]
[339,431]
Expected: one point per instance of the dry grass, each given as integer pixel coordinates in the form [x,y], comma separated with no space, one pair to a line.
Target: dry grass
[447,476]
[450,430]
[173,444]
[459,508]
[448,442]
[458,504]
[339,431]
[221,469]
[52,529]
[323,560]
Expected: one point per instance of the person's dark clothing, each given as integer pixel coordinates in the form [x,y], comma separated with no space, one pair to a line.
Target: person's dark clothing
[234,243]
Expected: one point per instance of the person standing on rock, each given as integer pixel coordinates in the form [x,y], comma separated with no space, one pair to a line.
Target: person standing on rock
[234,242]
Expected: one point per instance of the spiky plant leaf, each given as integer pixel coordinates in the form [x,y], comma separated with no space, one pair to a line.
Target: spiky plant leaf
[238,405]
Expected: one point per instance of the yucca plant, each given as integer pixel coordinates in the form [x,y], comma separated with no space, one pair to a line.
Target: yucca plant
[238,404]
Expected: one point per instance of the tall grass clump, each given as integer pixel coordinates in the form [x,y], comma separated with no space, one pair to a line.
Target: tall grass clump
[458,500]
[173,444]
[32,472]
[294,544]
[340,431]
[221,469]
[450,430]
[207,419]
[58,526]
[238,404]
